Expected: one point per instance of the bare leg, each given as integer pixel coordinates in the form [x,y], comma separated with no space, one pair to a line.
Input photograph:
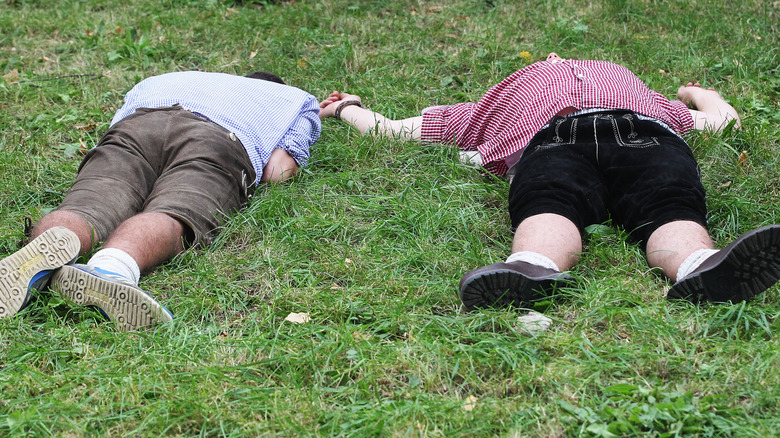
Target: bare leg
[519,283]
[70,220]
[673,242]
[743,269]
[149,238]
[714,113]
[551,235]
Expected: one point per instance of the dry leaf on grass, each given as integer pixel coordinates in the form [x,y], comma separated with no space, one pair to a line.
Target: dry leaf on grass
[12,76]
[298,318]
[87,127]
[470,403]
[743,157]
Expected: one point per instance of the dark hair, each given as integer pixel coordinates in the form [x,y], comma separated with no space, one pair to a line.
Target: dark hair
[264,75]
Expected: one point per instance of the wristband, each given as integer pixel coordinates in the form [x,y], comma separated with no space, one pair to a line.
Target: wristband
[344,104]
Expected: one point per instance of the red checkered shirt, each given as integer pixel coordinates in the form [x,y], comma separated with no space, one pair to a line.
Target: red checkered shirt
[512,112]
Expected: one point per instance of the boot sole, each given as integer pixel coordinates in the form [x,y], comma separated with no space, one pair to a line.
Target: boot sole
[505,287]
[53,249]
[748,268]
[129,308]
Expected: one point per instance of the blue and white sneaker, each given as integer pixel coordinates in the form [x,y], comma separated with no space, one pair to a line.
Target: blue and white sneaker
[124,303]
[32,267]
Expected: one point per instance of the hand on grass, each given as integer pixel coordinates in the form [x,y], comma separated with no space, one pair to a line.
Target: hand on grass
[712,112]
[692,91]
[329,105]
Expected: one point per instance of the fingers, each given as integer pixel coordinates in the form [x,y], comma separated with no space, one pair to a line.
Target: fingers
[698,85]
[333,97]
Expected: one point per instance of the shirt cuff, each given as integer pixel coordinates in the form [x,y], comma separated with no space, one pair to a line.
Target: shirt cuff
[433,125]
[684,120]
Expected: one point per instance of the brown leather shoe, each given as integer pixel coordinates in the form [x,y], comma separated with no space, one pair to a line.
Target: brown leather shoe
[745,268]
[509,284]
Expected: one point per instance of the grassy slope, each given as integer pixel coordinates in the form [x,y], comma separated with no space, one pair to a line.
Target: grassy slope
[373,237]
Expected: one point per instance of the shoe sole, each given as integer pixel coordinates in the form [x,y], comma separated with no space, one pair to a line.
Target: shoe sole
[129,308]
[748,268]
[53,249]
[505,287]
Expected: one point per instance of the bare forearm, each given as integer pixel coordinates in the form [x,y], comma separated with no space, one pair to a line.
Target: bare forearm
[281,165]
[372,123]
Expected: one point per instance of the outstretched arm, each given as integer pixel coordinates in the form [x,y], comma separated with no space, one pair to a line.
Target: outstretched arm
[712,112]
[367,121]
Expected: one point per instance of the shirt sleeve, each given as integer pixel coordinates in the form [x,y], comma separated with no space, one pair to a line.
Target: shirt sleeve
[449,125]
[304,131]
[683,120]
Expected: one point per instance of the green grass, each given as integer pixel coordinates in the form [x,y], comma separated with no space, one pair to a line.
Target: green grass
[372,238]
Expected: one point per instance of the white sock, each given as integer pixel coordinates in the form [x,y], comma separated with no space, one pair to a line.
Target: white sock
[533,258]
[693,261]
[117,261]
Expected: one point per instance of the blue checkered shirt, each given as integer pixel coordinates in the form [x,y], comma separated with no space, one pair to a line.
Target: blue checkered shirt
[263,115]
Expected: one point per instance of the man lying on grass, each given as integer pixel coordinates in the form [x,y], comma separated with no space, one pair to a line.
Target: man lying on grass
[586,141]
[183,153]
